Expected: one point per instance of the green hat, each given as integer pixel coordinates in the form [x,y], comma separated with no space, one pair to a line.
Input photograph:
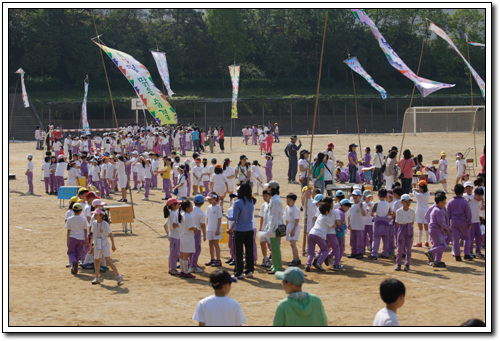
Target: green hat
[77,207]
[292,275]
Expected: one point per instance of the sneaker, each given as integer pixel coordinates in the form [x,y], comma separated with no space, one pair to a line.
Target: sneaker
[103,269]
[240,276]
[391,255]
[439,265]
[292,263]
[473,255]
[68,265]
[96,280]
[210,263]
[315,262]
[249,275]
[145,199]
[308,268]
[119,279]
[458,258]
[198,270]
[468,257]
[338,267]
[269,264]
[319,267]
[265,260]
[417,245]
[479,255]
[232,262]
[429,255]
[74,268]
[372,257]
[298,262]
[188,275]
[407,268]
[229,261]
[88,266]
[352,255]
[398,268]
[174,273]
[217,263]
[327,260]
[360,256]
[384,257]
[426,244]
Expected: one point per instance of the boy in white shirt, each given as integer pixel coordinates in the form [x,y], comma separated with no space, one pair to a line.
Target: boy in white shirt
[392,292]
[292,218]
[199,222]
[46,173]
[214,229]
[317,235]
[219,309]
[264,241]
[381,212]
[461,165]
[405,217]
[356,224]
[476,203]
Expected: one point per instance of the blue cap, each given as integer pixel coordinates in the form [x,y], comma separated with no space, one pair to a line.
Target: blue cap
[339,193]
[199,199]
[345,202]
[318,198]
[292,275]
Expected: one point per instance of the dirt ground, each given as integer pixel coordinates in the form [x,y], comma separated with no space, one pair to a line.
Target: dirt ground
[42,292]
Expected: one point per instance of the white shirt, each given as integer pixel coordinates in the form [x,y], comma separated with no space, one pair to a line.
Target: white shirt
[356,219]
[461,166]
[443,164]
[72,177]
[378,160]
[335,216]
[321,226]
[386,317]
[383,208]
[328,175]
[263,209]
[475,209]
[229,171]
[431,177]
[219,311]
[368,208]
[45,168]
[256,173]
[182,191]
[291,214]
[185,225]
[213,215]
[304,164]
[198,217]
[77,224]
[101,230]
[30,167]
[206,173]
[171,220]
[405,217]
[219,181]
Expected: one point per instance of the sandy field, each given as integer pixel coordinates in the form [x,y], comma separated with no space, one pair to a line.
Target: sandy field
[42,292]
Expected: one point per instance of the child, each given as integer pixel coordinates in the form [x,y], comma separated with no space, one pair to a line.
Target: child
[276,133]
[438,225]
[422,195]
[292,218]
[262,141]
[29,173]
[317,236]
[230,224]
[197,176]
[264,241]
[76,238]
[214,229]
[392,292]
[366,164]
[269,142]
[381,212]
[219,309]
[345,206]
[173,232]
[299,308]
[187,228]
[199,222]
[476,204]
[356,224]
[269,166]
[257,177]
[219,183]
[368,231]
[461,165]
[459,213]
[165,174]
[100,233]
[46,173]
[181,186]
[443,171]
[331,237]
[405,217]
[395,196]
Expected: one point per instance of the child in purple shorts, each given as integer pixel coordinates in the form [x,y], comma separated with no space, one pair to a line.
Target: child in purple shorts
[405,217]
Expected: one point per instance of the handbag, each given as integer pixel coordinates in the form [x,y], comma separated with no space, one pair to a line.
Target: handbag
[281,230]
[401,176]
[176,191]
[384,166]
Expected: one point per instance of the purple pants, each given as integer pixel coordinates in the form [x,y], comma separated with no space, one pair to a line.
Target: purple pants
[188,184]
[333,243]
[405,242]
[30,181]
[461,230]
[193,257]
[167,187]
[381,230]
[167,149]
[174,253]
[312,241]
[175,179]
[475,233]
[59,182]
[146,187]
[46,181]
[438,243]
[357,242]
[134,175]
[276,137]
[116,183]
[368,233]
[269,175]
[376,245]
[246,138]
[105,187]
[53,183]
[97,147]
[74,150]
[75,247]
[392,238]
[183,149]
[341,242]
[254,139]
[154,181]
[206,184]
[88,180]
[97,184]
[230,244]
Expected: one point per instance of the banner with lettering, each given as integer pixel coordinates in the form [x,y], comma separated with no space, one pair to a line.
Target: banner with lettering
[443,35]
[354,64]
[425,86]
[25,94]
[140,79]
[161,64]
[85,122]
[234,70]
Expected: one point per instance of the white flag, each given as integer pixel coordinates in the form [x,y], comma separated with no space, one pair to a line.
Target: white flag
[161,64]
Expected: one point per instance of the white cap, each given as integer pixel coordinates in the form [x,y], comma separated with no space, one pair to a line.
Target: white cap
[30,156]
[357,186]
[357,192]
[468,183]
[406,197]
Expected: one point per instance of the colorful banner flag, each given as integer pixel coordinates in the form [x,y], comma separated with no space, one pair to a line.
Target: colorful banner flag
[425,86]
[161,64]
[234,70]
[25,94]
[476,44]
[443,35]
[141,81]
[354,64]
[85,122]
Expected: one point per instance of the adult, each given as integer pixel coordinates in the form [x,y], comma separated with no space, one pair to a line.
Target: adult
[210,135]
[304,167]
[242,231]
[390,170]
[482,160]
[329,173]
[378,161]
[221,139]
[319,173]
[243,171]
[273,218]
[291,152]
[352,158]
[406,165]
[195,136]
[37,138]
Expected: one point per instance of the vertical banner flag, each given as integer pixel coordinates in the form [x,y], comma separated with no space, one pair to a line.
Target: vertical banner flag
[234,70]
[425,86]
[25,94]
[161,64]
[141,81]
[85,122]
[354,64]
[443,35]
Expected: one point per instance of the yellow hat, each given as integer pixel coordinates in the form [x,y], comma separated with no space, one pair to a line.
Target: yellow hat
[82,189]
[443,153]
[306,187]
[419,173]
[73,199]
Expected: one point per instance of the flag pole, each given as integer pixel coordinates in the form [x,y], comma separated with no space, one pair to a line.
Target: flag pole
[13,101]
[472,105]
[314,122]
[356,108]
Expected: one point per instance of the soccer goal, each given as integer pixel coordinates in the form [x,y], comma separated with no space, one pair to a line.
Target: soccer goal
[444,119]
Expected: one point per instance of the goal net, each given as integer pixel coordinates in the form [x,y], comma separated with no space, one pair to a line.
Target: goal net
[444,119]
